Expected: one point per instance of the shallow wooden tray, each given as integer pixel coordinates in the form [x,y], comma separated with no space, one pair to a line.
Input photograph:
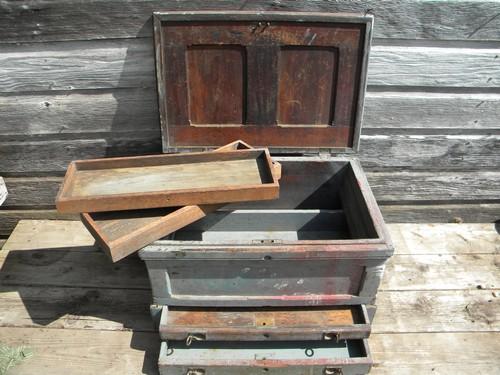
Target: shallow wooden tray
[121,233]
[167,180]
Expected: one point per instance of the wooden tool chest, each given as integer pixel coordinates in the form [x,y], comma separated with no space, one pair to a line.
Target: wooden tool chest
[261,286]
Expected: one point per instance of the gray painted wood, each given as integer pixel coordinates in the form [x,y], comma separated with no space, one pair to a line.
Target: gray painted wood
[404,19]
[126,63]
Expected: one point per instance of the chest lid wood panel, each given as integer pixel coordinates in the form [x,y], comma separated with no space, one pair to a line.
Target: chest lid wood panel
[293,82]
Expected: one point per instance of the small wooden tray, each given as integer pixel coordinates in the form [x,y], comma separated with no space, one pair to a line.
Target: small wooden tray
[167,180]
[121,233]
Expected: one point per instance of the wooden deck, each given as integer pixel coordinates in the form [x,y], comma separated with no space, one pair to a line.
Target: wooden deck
[439,305]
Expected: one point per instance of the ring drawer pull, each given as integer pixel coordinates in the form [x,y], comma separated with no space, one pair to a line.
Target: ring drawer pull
[330,336]
[194,337]
[332,371]
[195,371]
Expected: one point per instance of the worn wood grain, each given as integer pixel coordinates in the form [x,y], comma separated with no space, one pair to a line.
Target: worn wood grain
[10,218]
[409,337]
[429,213]
[73,114]
[67,114]
[50,234]
[66,266]
[424,66]
[442,272]
[438,353]
[420,152]
[437,311]
[70,267]
[425,111]
[388,187]
[378,153]
[433,187]
[76,308]
[441,213]
[129,63]
[445,239]
[61,352]
[124,309]
[100,64]
[46,156]
[404,19]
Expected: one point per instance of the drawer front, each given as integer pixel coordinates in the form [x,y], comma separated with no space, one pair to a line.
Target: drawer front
[265,282]
[329,323]
[348,357]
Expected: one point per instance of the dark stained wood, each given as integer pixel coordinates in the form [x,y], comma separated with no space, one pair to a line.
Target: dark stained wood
[266,73]
[306,84]
[216,84]
[173,84]
[167,180]
[261,90]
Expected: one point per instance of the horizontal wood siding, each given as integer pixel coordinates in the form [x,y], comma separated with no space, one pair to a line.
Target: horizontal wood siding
[77,80]
[41,20]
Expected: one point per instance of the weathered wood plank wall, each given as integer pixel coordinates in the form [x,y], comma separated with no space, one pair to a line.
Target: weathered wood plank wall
[77,81]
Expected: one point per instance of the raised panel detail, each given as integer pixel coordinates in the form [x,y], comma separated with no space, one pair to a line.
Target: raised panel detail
[216,78]
[307,80]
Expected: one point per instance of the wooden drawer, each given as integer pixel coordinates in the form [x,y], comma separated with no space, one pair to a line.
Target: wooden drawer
[264,324]
[322,242]
[347,357]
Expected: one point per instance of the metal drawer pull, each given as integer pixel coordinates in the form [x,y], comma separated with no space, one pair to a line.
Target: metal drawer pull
[332,371]
[194,337]
[332,336]
[195,371]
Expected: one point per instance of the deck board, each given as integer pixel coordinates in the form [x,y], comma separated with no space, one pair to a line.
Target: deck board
[81,314]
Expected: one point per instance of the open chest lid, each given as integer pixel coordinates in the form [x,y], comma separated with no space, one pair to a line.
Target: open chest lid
[293,82]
